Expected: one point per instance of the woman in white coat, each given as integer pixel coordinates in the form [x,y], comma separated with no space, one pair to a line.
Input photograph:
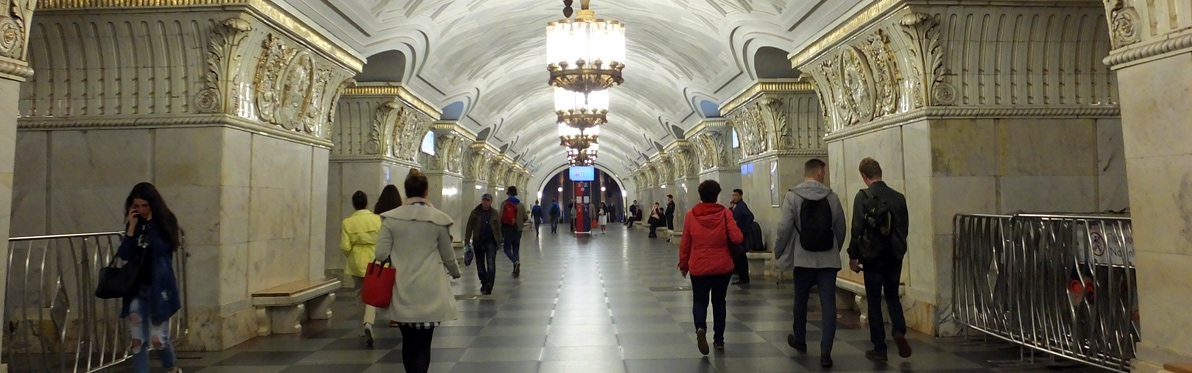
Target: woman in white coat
[424,262]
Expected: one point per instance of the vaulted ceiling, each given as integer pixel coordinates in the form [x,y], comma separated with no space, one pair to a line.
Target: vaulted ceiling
[485,61]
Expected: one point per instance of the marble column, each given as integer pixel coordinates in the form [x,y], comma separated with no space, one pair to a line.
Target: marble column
[475,172]
[227,110]
[685,170]
[14,70]
[969,122]
[712,140]
[377,141]
[779,126]
[1152,57]
[445,174]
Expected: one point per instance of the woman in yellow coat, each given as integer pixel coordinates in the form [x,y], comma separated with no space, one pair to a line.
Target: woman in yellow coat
[359,243]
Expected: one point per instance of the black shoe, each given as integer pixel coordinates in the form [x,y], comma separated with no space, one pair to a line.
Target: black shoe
[825,361]
[904,348]
[874,355]
[798,346]
[516,269]
[701,340]
[741,282]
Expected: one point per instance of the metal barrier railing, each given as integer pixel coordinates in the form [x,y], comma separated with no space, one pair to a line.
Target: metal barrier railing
[1060,284]
[53,321]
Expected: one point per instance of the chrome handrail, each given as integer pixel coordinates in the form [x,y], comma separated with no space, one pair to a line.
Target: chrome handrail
[1061,284]
[53,322]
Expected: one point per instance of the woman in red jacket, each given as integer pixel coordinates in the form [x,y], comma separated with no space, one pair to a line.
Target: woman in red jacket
[704,252]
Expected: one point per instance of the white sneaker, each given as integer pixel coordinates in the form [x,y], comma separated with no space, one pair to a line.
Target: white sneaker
[368,334]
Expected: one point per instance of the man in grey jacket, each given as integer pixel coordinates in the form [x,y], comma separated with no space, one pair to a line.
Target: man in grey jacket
[812,266]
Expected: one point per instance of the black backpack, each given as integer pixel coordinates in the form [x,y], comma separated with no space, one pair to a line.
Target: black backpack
[876,224]
[815,225]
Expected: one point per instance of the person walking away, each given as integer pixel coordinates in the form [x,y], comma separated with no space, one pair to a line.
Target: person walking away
[151,237]
[604,212]
[880,223]
[358,240]
[390,199]
[417,238]
[483,235]
[744,218]
[513,218]
[536,214]
[670,216]
[708,230]
[555,212]
[810,234]
[655,220]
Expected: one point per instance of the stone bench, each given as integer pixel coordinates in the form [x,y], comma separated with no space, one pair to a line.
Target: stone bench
[281,310]
[851,295]
[761,263]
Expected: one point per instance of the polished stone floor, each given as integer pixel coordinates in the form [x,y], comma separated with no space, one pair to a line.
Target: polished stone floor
[610,303]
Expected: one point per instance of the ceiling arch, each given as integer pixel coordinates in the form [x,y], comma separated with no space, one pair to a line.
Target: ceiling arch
[490,55]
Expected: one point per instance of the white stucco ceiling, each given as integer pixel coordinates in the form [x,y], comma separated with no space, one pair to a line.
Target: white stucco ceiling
[490,54]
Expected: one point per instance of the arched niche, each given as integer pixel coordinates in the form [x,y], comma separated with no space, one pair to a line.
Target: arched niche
[388,66]
[772,63]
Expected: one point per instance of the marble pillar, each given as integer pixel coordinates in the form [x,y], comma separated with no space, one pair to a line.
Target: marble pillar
[779,126]
[1152,59]
[379,132]
[240,156]
[960,126]
[445,175]
[13,71]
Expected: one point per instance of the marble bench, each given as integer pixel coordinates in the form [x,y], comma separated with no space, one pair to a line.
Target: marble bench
[281,310]
[850,294]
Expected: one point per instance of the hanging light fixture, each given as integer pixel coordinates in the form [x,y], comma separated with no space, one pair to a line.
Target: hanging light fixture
[575,138]
[582,111]
[585,55]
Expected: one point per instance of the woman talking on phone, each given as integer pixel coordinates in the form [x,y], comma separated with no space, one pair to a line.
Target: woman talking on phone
[151,236]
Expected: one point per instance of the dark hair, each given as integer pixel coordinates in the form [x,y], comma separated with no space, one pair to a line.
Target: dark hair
[708,191]
[671,196]
[511,191]
[814,165]
[359,200]
[389,199]
[166,221]
[870,168]
[738,191]
[416,184]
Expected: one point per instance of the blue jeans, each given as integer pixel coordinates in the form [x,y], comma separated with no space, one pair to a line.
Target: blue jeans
[486,262]
[155,336]
[717,285]
[512,238]
[825,280]
[554,224]
[881,279]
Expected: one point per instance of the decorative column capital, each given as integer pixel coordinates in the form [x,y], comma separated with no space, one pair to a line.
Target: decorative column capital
[899,60]
[381,123]
[16,17]
[777,117]
[450,140]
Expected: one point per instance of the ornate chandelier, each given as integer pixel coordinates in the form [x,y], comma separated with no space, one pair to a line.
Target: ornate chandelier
[575,138]
[581,111]
[587,54]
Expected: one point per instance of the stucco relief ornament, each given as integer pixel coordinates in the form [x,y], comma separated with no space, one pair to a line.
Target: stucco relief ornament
[1122,21]
[759,139]
[223,60]
[887,78]
[943,93]
[14,28]
[269,70]
[927,71]
[314,112]
[857,81]
[773,112]
[380,122]
[295,89]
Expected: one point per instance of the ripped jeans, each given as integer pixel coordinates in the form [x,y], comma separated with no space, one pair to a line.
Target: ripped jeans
[141,329]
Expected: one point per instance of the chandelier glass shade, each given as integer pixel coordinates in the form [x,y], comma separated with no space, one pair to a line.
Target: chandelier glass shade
[585,55]
[580,110]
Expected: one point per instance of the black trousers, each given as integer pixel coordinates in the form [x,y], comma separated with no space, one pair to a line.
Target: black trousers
[741,263]
[415,350]
[717,287]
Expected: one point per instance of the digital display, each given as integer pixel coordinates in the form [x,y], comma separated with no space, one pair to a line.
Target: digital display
[583,173]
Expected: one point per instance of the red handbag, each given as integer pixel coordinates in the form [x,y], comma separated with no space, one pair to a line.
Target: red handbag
[377,290]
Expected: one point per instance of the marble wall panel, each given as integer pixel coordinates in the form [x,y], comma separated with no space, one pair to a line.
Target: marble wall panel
[30,212]
[1161,124]
[279,163]
[32,172]
[183,157]
[234,214]
[87,210]
[8,146]
[1055,147]
[1164,286]
[1047,194]
[959,147]
[919,205]
[204,264]
[124,156]
[236,160]
[198,210]
[233,273]
[1112,193]
[953,195]
[884,145]
[1162,217]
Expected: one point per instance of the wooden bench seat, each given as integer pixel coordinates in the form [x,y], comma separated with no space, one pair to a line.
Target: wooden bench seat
[1178,368]
[282,309]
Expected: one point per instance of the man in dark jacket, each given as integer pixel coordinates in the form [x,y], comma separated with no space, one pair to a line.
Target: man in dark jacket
[555,212]
[482,234]
[744,219]
[632,214]
[670,215]
[880,254]
[536,214]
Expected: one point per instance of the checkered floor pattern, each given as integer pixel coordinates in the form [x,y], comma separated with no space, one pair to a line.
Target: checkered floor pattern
[609,303]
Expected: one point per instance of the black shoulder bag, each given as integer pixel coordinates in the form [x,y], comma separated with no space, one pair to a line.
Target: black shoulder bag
[120,282]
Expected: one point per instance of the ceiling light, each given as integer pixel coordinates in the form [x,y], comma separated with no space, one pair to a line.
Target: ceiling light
[587,54]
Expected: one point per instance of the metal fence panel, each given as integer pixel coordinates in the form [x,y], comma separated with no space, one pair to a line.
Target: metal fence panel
[53,322]
[1061,284]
